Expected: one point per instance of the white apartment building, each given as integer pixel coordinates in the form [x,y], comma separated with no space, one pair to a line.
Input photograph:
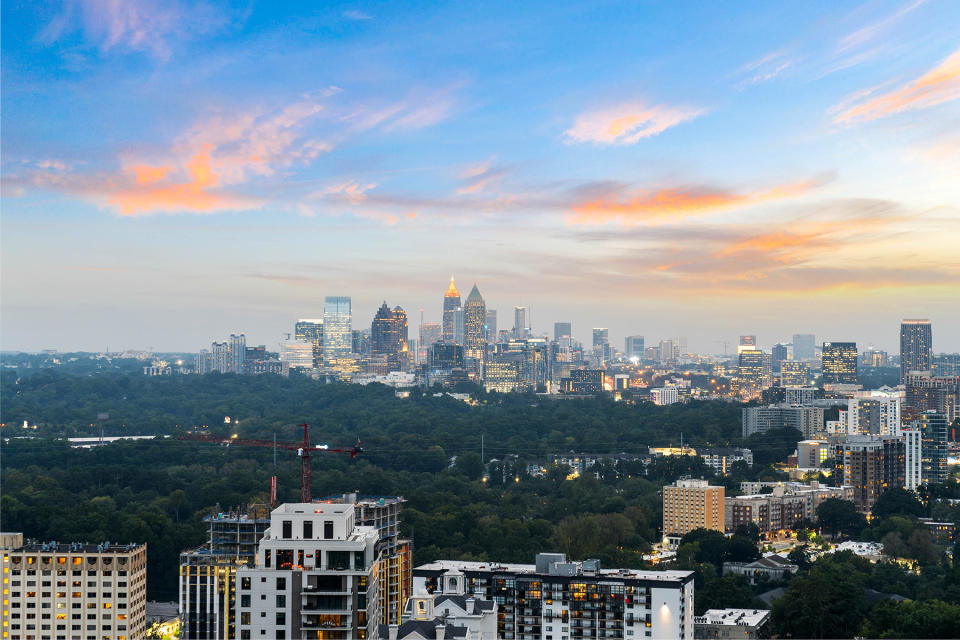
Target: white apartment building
[665,395]
[879,415]
[556,599]
[73,591]
[913,456]
[316,577]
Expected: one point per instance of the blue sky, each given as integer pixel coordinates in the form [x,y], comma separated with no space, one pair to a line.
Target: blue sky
[174,171]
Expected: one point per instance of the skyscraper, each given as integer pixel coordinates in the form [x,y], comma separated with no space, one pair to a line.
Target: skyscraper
[916,347]
[519,322]
[491,325]
[238,352]
[561,329]
[839,363]
[932,426]
[747,343]
[753,372]
[778,355]
[311,330]
[337,330]
[601,344]
[803,346]
[388,337]
[474,325]
[451,302]
[633,347]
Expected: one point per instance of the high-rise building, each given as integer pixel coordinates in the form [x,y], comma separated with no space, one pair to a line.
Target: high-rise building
[311,330]
[747,343]
[297,354]
[389,337]
[916,347]
[583,381]
[520,326]
[562,329]
[692,504]
[932,426]
[925,392]
[663,396]
[879,416]
[794,373]
[871,465]
[633,347]
[913,458]
[459,326]
[337,330]
[208,574]
[601,344]
[474,325]
[804,346]
[777,355]
[807,420]
[220,357]
[557,598]
[451,302]
[446,355]
[491,326]
[839,362]
[753,372]
[383,513]
[107,583]
[238,352]
[316,576]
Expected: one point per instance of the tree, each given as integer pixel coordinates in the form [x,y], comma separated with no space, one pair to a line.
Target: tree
[840,516]
[470,465]
[907,619]
[749,530]
[897,501]
[829,602]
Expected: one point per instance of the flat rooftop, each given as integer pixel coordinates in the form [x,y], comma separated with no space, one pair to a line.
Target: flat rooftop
[633,574]
[77,547]
[743,617]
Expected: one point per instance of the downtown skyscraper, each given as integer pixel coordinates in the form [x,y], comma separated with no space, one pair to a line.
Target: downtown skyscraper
[916,347]
[451,303]
[475,325]
[337,329]
[389,337]
[839,362]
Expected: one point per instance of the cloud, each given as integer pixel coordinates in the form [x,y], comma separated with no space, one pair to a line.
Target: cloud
[627,123]
[475,179]
[419,110]
[146,26]
[353,14]
[867,33]
[764,69]
[939,85]
[612,202]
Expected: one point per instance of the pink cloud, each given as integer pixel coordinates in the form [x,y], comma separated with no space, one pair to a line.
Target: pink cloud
[628,123]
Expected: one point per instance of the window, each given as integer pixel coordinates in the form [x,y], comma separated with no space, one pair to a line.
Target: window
[287,530]
[281,601]
[281,618]
[245,583]
[307,530]
[327,529]
[244,617]
[281,584]
[245,600]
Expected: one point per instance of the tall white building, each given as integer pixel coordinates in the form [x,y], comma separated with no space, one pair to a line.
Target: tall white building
[878,415]
[913,455]
[337,328]
[316,576]
[74,590]
[665,395]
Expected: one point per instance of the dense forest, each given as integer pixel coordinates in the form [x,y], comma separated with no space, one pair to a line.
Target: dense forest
[427,448]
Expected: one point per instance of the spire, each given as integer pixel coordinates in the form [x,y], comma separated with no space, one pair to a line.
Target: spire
[452,290]
[475,293]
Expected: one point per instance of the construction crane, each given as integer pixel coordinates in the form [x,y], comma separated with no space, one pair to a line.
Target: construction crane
[303,449]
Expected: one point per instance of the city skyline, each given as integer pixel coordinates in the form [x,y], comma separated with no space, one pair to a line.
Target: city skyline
[226,167]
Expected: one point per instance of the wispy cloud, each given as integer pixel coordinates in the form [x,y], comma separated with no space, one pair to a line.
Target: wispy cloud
[353,14]
[147,26]
[421,108]
[939,85]
[628,123]
[870,32]
[605,203]
[475,179]
[764,68]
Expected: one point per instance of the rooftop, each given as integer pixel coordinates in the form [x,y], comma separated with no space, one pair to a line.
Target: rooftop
[79,547]
[531,569]
[740,617]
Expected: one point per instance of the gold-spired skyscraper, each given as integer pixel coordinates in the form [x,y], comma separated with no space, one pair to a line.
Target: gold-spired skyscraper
[451,302]
[474,325]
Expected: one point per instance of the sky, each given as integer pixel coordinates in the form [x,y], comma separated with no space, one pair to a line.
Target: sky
[175,171]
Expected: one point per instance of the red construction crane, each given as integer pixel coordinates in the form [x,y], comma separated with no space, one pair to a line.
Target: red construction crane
[303,449]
